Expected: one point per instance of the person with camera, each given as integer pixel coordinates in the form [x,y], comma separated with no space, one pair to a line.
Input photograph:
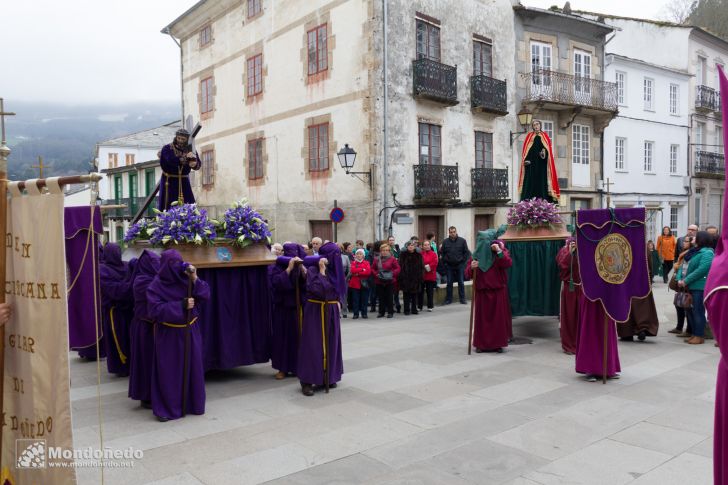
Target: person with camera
[177,161]
[693,278]
[386,271]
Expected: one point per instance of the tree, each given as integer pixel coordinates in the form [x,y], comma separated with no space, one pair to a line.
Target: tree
[678,11]
[711,15]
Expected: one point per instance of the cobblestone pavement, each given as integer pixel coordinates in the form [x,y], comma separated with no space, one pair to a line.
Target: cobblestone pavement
[414,408]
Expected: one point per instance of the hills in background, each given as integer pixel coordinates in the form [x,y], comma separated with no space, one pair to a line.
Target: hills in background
[66,135]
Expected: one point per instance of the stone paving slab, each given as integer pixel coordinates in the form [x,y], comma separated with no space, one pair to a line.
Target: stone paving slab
[414,408]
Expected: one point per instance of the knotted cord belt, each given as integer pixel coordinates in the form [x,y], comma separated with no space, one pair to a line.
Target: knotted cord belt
[323,304]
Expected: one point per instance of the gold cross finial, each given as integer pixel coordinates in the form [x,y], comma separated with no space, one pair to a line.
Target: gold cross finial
[40,167]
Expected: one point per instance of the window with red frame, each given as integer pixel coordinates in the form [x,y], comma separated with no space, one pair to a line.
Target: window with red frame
[318,148]
[206,103]
[255,159]
[208,167]
[255,75]
[317,50]
[205,35]
[254,8]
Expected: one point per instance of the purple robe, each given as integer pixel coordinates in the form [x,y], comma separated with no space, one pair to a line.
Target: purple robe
[571,295]
[175,182]
[85,329]
[117,304]
[166,297]
[320,317]
[590,351]
[142,330]
[493,325]
[285,317]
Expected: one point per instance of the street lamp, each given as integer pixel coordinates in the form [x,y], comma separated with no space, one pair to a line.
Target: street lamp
[347,157]
[525,117]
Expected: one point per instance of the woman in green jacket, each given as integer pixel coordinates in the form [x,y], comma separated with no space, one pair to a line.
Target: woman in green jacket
[694,280]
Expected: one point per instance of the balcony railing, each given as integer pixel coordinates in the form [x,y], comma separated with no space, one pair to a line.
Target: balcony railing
[707,99]
[435,81]
[436,183]
[709,165]
[560,88]
[132,206]
[488,94]
[489,185]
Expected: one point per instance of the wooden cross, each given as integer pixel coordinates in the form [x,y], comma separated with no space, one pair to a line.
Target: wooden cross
[40,166]
[3,114]
[609,198]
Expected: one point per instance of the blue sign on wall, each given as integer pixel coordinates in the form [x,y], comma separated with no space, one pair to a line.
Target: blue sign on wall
[337,215]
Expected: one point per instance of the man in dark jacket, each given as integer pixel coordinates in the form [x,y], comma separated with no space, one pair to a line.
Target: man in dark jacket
[454,253]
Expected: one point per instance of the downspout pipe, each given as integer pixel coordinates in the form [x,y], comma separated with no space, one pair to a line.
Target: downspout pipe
[385,167]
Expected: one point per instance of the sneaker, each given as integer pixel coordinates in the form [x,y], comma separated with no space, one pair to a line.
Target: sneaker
[364,316]
[591,378]
[429,309]
[447,302]
[355,317]
[390,315]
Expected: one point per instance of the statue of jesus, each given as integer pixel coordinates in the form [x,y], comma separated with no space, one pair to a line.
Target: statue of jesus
[537,176]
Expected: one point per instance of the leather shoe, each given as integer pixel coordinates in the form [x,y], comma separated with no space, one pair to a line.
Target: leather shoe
[355,317]
[280,375]
[684,334]
[380,315]
[146,404]
[675,330]
[696,341]
[307,389]
[162,419]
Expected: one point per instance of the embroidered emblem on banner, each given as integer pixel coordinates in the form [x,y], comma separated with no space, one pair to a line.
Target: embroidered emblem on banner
[614,258]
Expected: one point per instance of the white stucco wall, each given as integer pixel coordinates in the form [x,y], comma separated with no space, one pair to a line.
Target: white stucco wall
[106,186]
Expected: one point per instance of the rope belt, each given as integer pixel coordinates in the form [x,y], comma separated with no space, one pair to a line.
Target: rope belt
[147,320]
[179,325]
[323,304]
[122,357]
[175,176]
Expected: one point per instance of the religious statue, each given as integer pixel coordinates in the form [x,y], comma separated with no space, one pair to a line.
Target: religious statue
[177,160]
[537,176]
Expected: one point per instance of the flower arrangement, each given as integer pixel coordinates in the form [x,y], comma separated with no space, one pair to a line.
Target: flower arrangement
[185,223]
[137,231]
[534,212]
[244,226]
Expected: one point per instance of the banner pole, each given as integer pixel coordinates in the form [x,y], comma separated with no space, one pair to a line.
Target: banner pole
[4,154]
[606,337]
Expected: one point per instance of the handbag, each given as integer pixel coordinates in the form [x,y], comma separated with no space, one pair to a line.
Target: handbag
[684,299]
[673,283]
[386,275]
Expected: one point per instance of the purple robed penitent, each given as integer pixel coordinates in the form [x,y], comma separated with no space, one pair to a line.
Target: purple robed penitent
[82,232]
[321,317]
[175,182]
[142,330]
[166,297]
[286,321]
[117,306]
[604,302]
[592,227]
[716,304]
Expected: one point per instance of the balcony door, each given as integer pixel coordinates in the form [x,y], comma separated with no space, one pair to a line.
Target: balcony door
[540,67]
[430,144]
[582,73]
[580,155]
[133,193]
[701,71]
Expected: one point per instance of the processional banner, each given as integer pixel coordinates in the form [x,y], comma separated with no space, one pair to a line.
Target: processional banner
[613,258]
[37,431]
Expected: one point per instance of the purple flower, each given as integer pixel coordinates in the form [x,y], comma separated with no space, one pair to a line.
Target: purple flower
[244,225]
[532,212]
[184,223]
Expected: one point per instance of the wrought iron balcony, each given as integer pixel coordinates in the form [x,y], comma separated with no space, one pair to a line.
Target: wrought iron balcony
[560,88]
[488,94]
[435,81]
[709,165]
[436,183]
[490,185]
[707,99]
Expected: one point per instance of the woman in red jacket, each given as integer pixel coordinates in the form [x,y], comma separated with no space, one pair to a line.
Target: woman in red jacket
[386,271]
[429,258]
[359,284]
